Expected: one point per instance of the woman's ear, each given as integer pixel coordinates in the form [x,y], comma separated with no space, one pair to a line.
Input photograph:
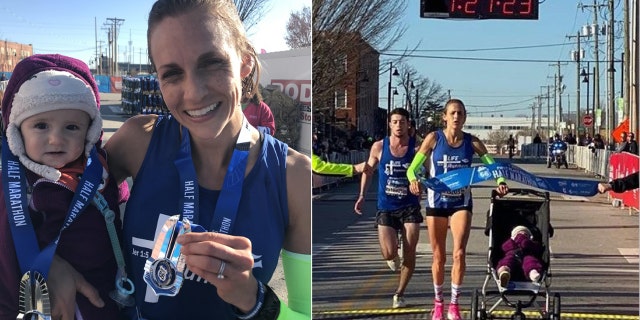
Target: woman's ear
[247,66]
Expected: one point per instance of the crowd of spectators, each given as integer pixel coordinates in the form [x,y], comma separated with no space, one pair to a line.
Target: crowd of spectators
[628,143]
[343,144]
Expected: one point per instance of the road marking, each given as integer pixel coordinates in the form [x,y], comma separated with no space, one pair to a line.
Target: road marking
[574,198]
[631,254]
[502,313]
[319,248]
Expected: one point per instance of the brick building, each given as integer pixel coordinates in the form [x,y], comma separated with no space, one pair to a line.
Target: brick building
[11,53]
[357,102]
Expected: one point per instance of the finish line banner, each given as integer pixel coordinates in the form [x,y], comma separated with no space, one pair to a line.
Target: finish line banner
[464,177]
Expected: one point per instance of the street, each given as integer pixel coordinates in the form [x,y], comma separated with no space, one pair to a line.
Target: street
[594,257]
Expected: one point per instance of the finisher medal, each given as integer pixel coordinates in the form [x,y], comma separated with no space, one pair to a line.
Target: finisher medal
[163,271]
[34,297]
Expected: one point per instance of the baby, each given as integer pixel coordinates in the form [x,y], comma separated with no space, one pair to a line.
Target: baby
[521,254]
[52,141]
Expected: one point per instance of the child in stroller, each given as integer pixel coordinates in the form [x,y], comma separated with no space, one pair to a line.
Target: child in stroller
[523,214]
[522,254]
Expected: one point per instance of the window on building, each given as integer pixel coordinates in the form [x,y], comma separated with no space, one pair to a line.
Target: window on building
[341,99]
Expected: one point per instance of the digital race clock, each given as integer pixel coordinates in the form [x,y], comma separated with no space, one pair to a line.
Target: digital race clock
[479,9]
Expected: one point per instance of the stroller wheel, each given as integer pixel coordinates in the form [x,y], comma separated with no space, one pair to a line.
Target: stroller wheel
[477,310]
[556,307]
[518,315]
[474,306]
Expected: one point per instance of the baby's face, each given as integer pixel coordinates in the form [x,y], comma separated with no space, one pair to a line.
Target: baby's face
[55,138]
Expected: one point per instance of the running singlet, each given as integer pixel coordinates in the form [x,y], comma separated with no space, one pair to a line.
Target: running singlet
[393,185]
[445,158]
[262,217]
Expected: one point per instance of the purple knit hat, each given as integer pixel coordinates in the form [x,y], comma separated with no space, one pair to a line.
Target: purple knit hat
[47,82]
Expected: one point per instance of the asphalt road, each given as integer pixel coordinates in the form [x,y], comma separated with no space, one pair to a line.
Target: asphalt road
[594,257]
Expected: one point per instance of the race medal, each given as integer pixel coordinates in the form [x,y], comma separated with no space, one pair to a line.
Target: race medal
[34,297]
[163,271]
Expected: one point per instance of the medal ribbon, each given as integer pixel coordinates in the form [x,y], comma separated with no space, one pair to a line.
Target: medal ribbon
[229,199]
[464,177]
[15,195]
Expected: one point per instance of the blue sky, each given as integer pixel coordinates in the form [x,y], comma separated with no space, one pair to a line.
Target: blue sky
[484,86]
[69,27]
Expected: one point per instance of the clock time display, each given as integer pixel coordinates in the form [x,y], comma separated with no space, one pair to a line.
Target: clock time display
[480,9]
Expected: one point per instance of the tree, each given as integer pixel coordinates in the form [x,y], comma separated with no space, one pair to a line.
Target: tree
[286,113]
[431,95]
[499,138]
[299,29]
[341,29]
[251,11]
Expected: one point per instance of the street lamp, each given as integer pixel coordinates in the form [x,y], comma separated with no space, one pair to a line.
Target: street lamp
[585,79]
[392,72]
[408,97]
[417,108]
[395,93]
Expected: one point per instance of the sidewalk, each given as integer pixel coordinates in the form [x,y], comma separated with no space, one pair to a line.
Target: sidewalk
[112,116]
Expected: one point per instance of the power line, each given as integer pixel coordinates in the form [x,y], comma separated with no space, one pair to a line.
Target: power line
[479,59]
[502,104]
[487,49]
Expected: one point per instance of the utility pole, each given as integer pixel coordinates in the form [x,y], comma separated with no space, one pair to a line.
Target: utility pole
[594,31]
[417,107]
[100,56]
[95,30]
[548,96]
[533,116]
[559,90]
[611,116]
[626,70]
[129,53]
[555,94]
[539,113]
[115,27]
[577,56]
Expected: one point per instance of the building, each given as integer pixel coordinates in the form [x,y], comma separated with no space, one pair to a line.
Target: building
[11,53]
[356,105]
[482,126]
[290,72]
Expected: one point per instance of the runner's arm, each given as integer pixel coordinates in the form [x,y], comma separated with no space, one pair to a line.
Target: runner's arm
[322,167]
[623,184]
[374,158]
[424,152]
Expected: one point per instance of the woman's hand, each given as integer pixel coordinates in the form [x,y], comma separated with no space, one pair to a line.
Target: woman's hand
[205,252]
[604,187]
[414,187]
[64,282]
[502,189]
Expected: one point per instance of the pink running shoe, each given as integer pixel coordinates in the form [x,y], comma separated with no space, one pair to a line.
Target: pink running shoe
[437,313]
[454,312]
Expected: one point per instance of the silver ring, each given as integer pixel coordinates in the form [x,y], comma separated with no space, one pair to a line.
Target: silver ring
[221,270]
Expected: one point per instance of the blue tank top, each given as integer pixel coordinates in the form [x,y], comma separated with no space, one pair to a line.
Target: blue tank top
[393,185]
[445,158]
[262,217]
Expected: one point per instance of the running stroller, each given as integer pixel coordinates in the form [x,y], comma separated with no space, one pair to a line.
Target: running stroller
[522,207]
